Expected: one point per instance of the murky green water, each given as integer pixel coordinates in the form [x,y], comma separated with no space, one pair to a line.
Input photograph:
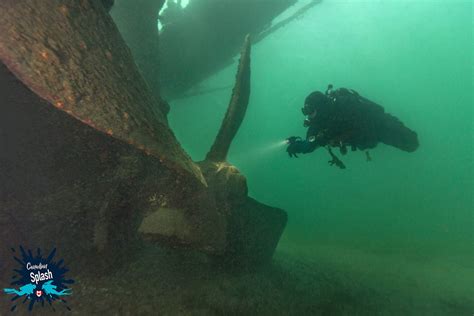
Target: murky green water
[393,236]
[404,221]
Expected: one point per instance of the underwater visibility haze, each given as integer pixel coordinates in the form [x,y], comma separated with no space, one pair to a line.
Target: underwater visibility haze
[406,216]
[394,54]
[389,235]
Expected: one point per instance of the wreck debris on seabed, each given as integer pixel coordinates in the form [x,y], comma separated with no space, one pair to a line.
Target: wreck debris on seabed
[87,159]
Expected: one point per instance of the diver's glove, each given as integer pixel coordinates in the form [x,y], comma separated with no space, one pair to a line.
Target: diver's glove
[296,146]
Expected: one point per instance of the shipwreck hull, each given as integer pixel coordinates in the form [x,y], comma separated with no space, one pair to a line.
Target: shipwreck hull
[88,163]
[67,185]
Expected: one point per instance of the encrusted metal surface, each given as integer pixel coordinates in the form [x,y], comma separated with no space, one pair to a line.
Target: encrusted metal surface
[237,108]
[70,53]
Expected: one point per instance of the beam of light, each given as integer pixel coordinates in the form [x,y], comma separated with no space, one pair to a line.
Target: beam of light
[273,146]
[256,154]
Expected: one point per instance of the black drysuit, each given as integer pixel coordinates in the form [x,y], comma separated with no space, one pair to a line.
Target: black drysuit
[343,117]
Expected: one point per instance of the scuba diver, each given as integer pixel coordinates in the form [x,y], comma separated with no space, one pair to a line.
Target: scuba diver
[342,118]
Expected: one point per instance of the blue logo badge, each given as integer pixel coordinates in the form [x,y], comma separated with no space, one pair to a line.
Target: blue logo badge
[39,279]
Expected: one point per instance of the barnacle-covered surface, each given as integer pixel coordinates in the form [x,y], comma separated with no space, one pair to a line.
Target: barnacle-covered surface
[71,54]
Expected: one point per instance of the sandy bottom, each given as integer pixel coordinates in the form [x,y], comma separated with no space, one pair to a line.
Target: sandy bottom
[320,280]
